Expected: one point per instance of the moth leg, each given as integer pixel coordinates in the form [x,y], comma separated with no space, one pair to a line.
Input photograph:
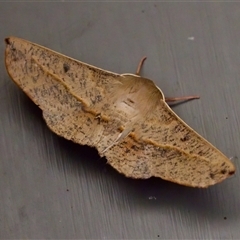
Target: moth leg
[186,98]
[122,135]
[115,142]
[140,65]
[98,117]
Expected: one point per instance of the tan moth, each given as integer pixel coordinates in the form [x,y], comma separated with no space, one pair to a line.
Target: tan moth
[124,116]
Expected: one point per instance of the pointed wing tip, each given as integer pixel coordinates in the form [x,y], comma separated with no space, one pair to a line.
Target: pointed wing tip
[10,39]
[231,172]
[7,40]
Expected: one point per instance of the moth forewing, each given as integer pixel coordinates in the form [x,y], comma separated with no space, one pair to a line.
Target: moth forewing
[124,116]
[206,165]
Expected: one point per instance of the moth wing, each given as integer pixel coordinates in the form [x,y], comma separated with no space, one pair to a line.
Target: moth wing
[162,145]
[69,92]
[88,83]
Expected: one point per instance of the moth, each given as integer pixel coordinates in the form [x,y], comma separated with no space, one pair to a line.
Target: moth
[124,116]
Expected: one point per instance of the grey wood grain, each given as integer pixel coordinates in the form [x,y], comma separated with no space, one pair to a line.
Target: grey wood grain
[51,188]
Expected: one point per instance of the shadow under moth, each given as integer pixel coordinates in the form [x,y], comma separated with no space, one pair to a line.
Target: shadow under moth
[124,116]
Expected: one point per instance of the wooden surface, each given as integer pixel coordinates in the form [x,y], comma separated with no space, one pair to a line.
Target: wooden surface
[51,188]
